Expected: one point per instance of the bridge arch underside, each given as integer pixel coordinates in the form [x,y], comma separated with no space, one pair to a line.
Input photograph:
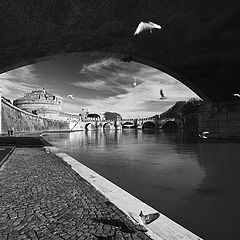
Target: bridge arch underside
[107,126]
[170,126]
[89,127]
[205,58]
[128,125]
[148,125]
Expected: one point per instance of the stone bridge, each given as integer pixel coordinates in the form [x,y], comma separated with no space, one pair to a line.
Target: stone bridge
[131,123]
[139,123]
[198,43]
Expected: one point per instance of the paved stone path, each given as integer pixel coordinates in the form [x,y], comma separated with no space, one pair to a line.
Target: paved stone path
[41,197]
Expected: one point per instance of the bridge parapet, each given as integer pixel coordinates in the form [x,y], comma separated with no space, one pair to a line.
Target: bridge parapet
[118,124]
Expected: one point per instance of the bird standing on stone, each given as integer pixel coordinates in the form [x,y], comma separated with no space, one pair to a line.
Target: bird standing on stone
[148,218]
[70,96]
[143,26]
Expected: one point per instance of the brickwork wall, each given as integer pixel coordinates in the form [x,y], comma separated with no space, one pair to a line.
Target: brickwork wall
[23,121]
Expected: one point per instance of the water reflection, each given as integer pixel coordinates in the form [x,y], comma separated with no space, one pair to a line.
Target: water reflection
[192,182]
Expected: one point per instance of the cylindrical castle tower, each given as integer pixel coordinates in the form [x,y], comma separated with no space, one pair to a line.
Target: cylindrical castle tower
[41,103]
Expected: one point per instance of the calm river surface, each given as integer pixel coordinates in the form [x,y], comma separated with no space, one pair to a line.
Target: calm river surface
[195,183]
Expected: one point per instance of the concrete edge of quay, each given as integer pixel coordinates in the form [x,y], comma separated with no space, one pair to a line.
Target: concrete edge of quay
[3,161]
[162,228]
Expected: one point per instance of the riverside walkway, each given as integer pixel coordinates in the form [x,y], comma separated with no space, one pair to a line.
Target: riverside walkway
[42,197]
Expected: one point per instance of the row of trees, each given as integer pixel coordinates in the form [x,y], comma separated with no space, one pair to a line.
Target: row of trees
[112,116]
[181,109]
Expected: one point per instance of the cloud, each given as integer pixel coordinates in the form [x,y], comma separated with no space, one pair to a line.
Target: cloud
[100,85]
[106,64]
[97,84]
[113,80]
[105,75]
[19,81]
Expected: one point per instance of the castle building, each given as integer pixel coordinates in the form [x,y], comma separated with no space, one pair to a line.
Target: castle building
[48,105]
[41,103]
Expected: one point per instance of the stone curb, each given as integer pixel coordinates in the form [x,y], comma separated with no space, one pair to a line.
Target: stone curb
[6,157]
[162,228]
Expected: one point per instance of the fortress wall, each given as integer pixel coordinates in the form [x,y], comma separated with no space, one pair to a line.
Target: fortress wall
[23,121]
[46,106]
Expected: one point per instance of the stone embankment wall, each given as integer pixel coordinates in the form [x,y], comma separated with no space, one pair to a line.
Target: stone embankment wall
[221,120]
[23,121]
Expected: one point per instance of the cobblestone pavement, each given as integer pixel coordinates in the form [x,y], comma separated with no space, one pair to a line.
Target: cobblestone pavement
[41,197]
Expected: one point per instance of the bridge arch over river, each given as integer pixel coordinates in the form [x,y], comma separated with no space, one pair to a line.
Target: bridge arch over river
[198,43]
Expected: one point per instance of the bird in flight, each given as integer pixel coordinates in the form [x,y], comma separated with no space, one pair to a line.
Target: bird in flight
[203,134]
[126,59]
[143,26]
[135,82]
[162,95]
[70,96]
[236,95]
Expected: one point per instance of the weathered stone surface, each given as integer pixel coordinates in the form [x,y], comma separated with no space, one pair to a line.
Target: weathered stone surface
[198,43]
[42,198]
[26,122]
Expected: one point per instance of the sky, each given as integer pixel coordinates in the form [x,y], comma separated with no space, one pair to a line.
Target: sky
[99,84]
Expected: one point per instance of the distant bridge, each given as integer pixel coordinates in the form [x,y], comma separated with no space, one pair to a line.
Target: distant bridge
[130,123]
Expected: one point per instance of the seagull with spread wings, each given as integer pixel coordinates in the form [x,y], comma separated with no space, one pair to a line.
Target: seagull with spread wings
[203,135]
[135,82]
[162,95]
[143,26]
[70,96]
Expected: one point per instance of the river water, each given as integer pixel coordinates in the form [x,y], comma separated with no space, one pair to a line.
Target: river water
[193,182]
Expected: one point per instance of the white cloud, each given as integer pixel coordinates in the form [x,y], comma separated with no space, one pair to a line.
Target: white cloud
[143,99]
[97,84]
[98,66]
[18,81]
[108,86]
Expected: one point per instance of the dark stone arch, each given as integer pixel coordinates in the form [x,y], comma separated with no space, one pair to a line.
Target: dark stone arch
[89,124]
[199,41]
[170,126]
[127,125]
[119,56]
[107,124]
[148,124]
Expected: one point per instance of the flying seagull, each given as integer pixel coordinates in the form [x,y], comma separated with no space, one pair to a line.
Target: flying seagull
[236,95]
[135,82]
[126,59]
[203,134]
[70,96]
[143,26]
[162,95]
